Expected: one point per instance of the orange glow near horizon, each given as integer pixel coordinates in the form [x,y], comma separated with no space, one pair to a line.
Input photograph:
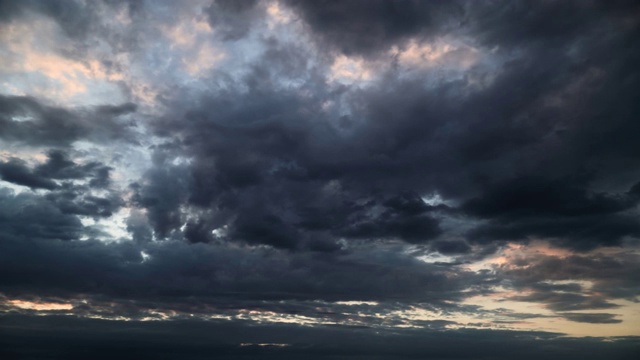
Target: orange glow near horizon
[40,306]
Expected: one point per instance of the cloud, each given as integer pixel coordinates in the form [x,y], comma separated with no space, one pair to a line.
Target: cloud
[261,149]
[333,175]
[26,216]
[161,195]
[80,201]
[232,20]
[364,27]
[16,171]
[518,23]
[562,209]
[592,318]
[608,272]
[25,120]
[117,269]
[73,188]
[57,167]
[74,17]
[559,301]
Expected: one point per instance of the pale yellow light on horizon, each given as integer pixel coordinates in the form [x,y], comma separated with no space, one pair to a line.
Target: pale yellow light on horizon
[40,306]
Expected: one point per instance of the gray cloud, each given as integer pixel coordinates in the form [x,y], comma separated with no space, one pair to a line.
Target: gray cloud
[363,27]
[119,270]
[25,120]
[57,167]
[251,148]
[592,318]
[27,216]
[233,19]
[16,171]
[61,176]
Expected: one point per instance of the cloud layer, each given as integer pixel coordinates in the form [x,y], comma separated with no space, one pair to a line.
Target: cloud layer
[390,169]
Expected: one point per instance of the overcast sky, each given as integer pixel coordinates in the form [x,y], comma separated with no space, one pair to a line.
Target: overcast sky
[353,179]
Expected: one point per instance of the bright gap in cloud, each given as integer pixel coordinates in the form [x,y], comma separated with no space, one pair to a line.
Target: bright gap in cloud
[40,306]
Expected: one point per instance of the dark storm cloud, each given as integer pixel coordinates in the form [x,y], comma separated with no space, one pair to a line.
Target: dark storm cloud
[162,193]
[70,184]
[260,228]
[268,160]
[77,200]
[543,203]
[525,197]
[591,124]
[451,247]
[363,27]
[25,120]
[272,167]
[17,172]
[138,226]
[57,167]
[579,233]
[411,229]
[522,23]
[28,216]
[562,209]
[32,266]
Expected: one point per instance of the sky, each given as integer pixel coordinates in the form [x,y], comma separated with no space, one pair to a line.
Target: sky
[353,179]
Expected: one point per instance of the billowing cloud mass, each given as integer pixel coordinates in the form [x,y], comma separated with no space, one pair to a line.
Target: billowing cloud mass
[319,179]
